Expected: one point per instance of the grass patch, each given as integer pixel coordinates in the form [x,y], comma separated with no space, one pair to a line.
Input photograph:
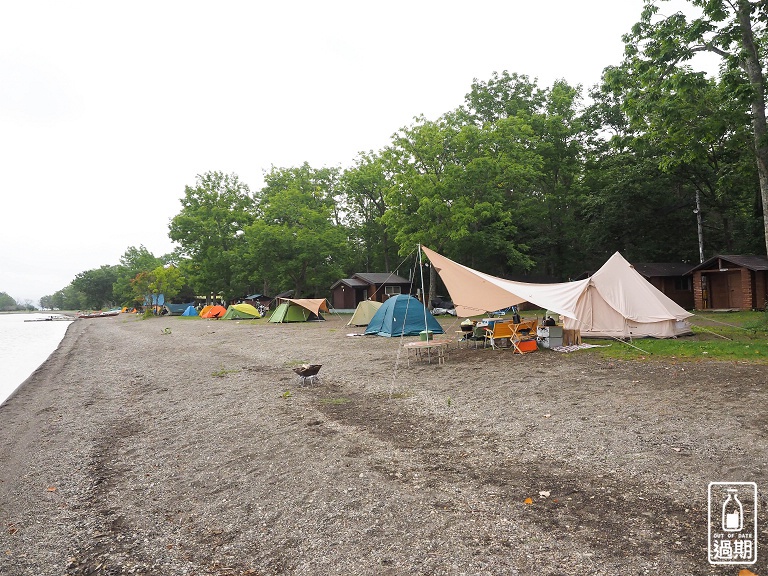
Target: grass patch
[223,372]
[731,336]
[335,401]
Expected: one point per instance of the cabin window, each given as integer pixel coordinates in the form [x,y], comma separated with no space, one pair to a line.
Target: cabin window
[391,290]
[683,283]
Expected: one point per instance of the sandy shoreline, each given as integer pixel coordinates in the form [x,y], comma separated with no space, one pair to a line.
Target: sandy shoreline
[194,450]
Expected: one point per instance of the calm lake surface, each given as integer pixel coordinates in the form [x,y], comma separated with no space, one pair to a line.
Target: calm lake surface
[24,346]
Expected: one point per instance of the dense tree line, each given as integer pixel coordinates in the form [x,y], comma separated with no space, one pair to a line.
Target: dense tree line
[659,161]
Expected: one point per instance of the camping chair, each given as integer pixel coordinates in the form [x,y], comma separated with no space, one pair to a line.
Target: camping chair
[498,331]
[524,337]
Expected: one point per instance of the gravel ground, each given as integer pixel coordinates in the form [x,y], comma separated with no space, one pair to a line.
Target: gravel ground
[176,446]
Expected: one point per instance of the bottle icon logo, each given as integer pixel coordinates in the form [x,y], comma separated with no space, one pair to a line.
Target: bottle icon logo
[733,512]
[732,522]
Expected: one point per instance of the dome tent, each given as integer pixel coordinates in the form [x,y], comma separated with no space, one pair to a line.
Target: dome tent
[241,312]
[402,315]
[364,312]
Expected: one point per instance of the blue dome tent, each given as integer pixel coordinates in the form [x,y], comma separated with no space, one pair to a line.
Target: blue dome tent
[402,315]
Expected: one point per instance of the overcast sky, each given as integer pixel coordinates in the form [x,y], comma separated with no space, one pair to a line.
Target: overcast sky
[108,109]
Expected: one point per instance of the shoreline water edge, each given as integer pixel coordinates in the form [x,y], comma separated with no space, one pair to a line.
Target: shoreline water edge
[188,446]
[26,341]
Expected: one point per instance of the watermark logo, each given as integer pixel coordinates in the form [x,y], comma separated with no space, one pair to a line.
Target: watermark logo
[732,522]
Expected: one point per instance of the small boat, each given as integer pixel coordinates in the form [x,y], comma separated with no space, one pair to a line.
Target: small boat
[99,314]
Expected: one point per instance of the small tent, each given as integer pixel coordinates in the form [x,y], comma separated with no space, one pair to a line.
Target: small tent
[241,312]
[190,311]
[299,310]
[402,315]
[213,312]
[175,309]
[364,312]
[616,301]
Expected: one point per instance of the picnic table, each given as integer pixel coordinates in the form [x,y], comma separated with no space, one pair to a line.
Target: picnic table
[428,348]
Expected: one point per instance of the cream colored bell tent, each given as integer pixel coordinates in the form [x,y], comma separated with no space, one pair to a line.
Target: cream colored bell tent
[616,301]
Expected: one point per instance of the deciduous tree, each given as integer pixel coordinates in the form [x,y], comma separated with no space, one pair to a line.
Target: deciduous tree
[732,29]
[209,230]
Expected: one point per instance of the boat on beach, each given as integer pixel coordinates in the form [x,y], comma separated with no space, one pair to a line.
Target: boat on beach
[98,314]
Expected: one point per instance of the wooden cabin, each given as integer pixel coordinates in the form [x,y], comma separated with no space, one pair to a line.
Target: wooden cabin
[731,282]
[347,293]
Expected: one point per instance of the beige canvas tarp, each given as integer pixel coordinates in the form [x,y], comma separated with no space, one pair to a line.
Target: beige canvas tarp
[615,301]
[314,305]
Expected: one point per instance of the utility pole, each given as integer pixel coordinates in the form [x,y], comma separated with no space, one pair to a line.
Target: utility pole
[700,230]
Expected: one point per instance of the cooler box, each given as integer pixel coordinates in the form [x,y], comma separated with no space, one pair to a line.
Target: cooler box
[425,335]
[527,345]
[550,336]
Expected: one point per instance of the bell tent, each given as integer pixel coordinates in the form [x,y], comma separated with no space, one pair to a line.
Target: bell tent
[616,301]
[241,312]
[402,315]
[364,312]
[299,310]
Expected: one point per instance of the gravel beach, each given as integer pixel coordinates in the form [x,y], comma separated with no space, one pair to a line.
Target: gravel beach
[177,446]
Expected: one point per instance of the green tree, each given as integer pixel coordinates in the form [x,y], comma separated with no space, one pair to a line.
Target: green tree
[503,96]
[560,134]
[297,242]
[132,262]
[364,187]
[209,230]
[733,30]
[96,286]
[453,182]
[7,303]
[628,191]
[534,146]
[69,298]
[700,136]
[148,286]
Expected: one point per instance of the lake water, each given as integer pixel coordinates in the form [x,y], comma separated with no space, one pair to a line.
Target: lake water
[24,346]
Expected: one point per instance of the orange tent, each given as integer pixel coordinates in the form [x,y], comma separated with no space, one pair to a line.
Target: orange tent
[213,312]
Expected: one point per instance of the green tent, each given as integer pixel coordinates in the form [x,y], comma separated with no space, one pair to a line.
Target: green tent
[299,310]
[241,312]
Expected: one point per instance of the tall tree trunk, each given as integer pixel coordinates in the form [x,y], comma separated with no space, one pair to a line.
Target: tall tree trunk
[385,248]
[752,67]
[432,286]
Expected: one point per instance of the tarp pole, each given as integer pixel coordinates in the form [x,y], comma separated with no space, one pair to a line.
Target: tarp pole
[421,272]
